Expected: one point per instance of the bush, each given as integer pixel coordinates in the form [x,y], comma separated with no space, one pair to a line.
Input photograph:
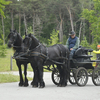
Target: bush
[54,39]
[94,46]
[3,51]
[84,43]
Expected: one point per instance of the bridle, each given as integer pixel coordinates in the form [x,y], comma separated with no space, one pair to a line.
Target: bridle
[15,38]
[30,43]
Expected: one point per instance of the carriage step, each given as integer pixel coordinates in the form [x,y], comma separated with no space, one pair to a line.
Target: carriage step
[85,56]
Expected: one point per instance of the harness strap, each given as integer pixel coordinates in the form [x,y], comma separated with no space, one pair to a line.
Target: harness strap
[35,47]
[38,54]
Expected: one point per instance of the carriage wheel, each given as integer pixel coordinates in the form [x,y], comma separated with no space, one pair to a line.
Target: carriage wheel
[72,78]
[56,77]
[81,76]
[96,76]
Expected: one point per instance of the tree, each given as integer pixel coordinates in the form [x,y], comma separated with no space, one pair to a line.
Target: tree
[93,16]
[53,38]
[43,16]
[2,6]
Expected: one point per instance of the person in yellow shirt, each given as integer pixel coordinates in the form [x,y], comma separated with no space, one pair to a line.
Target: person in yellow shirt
[97,52]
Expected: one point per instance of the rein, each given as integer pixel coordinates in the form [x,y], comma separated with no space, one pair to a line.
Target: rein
[25,53]
[16,46]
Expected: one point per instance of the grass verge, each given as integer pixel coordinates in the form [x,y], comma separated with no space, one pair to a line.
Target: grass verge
[8,78]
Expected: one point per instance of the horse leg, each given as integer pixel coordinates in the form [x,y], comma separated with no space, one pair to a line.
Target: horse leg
[60,71]
[20,74]
[41,81]
[25,74]
[34,83]
[64,82]
[40,73]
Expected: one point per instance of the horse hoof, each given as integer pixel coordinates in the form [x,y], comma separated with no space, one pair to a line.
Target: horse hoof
[59,85]
[20,84]
[32,83]
[41,87]
[26,84]
[63,86]
[43,84]
[34,86]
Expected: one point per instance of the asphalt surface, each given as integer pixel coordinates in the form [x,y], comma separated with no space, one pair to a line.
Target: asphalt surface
[11,91]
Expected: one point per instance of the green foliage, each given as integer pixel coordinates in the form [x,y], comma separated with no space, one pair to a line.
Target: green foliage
[3,51]
[2,6]
[53,37]
[93,16]
[1,41]
[44,41]
[84,43]
[94,46]
[46,16]
[29,30]
[64,39]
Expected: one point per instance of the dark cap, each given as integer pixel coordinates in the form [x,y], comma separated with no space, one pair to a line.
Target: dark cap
[72,33]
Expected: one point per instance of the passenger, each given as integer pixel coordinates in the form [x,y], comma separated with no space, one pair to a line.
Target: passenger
[97,52]
[72,43]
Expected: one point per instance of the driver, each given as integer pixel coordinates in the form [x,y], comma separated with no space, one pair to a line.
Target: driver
[72,43]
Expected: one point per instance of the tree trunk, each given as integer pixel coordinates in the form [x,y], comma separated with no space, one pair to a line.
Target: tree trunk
[34,24]
[80,30]
[19,22]
[25,23]
[3,31]
[71,19]
[38,24]
[83,28]
[12,20]
[61,31]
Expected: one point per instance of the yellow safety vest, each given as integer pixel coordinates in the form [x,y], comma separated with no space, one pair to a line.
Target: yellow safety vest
[97,52]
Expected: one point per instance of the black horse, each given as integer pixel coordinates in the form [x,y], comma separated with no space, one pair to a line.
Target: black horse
[16,41]
[41,55]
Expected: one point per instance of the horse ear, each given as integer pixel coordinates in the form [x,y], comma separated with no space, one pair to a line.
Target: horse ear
[14,30]
[30,35]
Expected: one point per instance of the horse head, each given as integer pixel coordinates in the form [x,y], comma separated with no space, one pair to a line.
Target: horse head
[30,41]
[14,38]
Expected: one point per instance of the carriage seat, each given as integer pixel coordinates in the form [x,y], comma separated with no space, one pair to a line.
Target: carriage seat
[82,53]
[88,50]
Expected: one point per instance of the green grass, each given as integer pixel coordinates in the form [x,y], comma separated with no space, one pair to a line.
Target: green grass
[7,78]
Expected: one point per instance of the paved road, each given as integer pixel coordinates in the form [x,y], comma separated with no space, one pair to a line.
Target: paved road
[11,91]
